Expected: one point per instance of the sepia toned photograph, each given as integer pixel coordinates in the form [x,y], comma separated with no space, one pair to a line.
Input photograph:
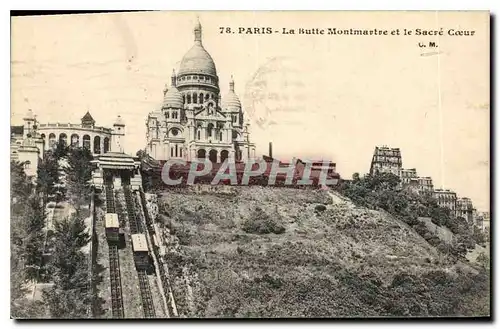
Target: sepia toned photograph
[250,165]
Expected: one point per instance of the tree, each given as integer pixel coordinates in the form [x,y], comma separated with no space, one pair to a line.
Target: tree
[79,174]
[478,236]
[70,296]
[21,186]
[27,221]
[61,150]
[48,175]
[33,239]
[141,154]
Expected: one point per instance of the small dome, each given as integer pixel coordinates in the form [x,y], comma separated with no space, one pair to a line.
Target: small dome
[29,115]
[231,101]
[197,60]
[173,98]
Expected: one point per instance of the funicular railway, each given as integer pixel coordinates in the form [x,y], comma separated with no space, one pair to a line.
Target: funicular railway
[141,250]
[117,173]
[114,262]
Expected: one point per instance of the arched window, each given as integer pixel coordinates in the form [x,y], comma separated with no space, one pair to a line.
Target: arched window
[86,142]
[167,115]
[106,145]
[210,127]
[42,136]
[201,154]
[224,155]
[183,99]
[52,140]
[63,139]
[220,135]
[207,96]
[176,150]
[195,98]
[189,98]
[97,145]
[75,140]
[199,133]
[212,155]
[172,151]
[201,97]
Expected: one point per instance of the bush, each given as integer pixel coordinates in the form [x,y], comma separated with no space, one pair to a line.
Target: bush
[262,223]
[320,208]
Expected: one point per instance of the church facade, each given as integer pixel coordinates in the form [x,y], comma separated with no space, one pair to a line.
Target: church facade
[194,121]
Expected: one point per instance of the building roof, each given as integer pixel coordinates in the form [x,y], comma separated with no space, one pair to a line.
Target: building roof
[111,220]
[139,242]
[112,160]
[87,117]
[197,59]
[231,101]
[173,98]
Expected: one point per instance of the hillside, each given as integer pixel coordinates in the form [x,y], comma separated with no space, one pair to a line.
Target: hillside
[278,252]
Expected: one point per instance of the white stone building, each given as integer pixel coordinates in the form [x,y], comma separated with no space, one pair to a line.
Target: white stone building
[193,122]
[30,141]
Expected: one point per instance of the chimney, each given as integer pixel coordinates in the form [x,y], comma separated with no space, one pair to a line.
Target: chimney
[270,149]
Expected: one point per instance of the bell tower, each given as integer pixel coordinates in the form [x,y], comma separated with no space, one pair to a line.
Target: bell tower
[117,137]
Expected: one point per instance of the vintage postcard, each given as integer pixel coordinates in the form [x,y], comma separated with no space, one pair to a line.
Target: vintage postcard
[246,164]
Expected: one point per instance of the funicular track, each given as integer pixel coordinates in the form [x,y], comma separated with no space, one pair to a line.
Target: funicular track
[134,223]
[136,227]
[116,285]
[114,264]
[146,296]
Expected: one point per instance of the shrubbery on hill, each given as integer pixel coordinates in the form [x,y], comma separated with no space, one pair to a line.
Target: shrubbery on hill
[334,261]
[262,223]
[382,191]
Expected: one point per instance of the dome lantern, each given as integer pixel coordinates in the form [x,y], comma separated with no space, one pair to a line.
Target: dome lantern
[119,121]
[173,78]
[231,101]
[197,31]
[231,84]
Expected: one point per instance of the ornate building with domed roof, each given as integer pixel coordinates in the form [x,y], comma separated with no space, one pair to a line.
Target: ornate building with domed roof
[193,122]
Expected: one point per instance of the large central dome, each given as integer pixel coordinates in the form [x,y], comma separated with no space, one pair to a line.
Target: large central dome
[197,60]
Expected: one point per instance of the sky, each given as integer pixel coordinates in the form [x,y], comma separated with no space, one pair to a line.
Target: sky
[332,97]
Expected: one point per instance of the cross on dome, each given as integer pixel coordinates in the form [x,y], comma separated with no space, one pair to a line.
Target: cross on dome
[197,30]
[231,83]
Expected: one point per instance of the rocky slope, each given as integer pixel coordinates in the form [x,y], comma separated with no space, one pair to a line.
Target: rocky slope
[276,252]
